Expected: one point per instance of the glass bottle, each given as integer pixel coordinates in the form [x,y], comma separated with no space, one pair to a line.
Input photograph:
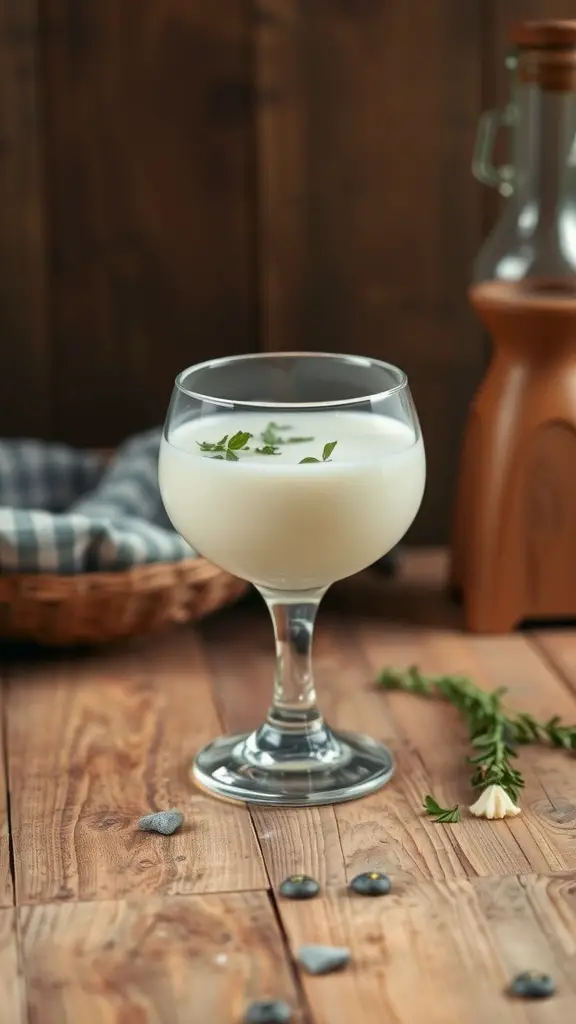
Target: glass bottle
[514,544]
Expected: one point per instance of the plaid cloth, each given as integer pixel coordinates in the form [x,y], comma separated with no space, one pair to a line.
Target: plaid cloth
[62,511]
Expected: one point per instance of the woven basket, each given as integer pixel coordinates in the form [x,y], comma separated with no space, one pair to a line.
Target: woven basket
[98,607]
[94,608]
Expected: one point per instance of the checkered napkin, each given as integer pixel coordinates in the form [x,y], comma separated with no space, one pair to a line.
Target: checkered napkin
[63,511]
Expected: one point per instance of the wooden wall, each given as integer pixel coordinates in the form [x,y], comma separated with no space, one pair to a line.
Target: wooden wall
[188,178]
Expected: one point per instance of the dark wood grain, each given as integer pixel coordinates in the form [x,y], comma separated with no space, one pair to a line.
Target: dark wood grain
[25,362]
[150,194]
[369,216]
[176,960]
[180,180]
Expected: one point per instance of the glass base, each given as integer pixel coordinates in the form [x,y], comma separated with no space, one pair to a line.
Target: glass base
[298,770]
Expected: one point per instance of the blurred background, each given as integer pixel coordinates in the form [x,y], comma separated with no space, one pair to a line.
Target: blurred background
[182,179]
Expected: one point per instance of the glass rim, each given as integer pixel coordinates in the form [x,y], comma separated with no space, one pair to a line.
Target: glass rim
[366,361]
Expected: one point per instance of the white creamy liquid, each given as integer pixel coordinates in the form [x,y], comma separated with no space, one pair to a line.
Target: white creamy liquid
[283,525]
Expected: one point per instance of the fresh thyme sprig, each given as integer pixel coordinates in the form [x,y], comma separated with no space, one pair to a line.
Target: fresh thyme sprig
[227,446]
[326,453]
[494,731]
[445,815]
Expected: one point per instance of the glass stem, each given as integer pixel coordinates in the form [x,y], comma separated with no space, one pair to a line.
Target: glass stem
[293,616]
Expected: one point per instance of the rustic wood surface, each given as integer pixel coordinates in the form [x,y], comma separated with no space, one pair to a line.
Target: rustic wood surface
[107,925]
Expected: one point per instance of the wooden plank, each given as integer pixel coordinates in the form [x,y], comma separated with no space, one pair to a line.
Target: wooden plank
[6,889]
[559,648]
[369,217]
[25,369]
[94,743]
[542,838]
[173,960]
[442,952]
[12,1010]
[151,196]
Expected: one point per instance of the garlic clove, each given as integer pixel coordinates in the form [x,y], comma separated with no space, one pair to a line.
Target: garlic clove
[494,802]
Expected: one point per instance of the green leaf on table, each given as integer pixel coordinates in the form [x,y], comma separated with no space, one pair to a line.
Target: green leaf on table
[442,815]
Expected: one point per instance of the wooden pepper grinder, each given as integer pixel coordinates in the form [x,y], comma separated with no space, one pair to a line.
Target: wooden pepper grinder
[514,543]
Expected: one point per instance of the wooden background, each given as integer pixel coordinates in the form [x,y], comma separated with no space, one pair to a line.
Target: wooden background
[182,179]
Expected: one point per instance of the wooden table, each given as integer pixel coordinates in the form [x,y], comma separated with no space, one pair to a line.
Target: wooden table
[102,923]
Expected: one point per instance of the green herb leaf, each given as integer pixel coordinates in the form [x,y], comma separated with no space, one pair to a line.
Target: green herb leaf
[327,450]
[227,445]
[240,440]
[326,453]
[270,435]
[447,815]
[268,449]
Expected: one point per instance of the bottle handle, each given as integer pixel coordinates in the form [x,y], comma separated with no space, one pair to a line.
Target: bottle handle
[491,121]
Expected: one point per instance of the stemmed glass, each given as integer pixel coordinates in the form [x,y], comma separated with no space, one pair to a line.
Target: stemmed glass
[292,470]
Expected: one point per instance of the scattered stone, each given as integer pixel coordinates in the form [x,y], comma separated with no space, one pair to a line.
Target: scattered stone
[299,887]
[165,822]
[371,883]
[268,1011]
[323,959]
[533,985]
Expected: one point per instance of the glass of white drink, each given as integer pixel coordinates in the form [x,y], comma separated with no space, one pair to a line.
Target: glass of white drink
[292,470]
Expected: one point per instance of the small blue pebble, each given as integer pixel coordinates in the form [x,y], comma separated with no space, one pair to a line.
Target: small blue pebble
[323,959]
[165,822]
[268,1011]
[299,887]
[371,883]
[532,985]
